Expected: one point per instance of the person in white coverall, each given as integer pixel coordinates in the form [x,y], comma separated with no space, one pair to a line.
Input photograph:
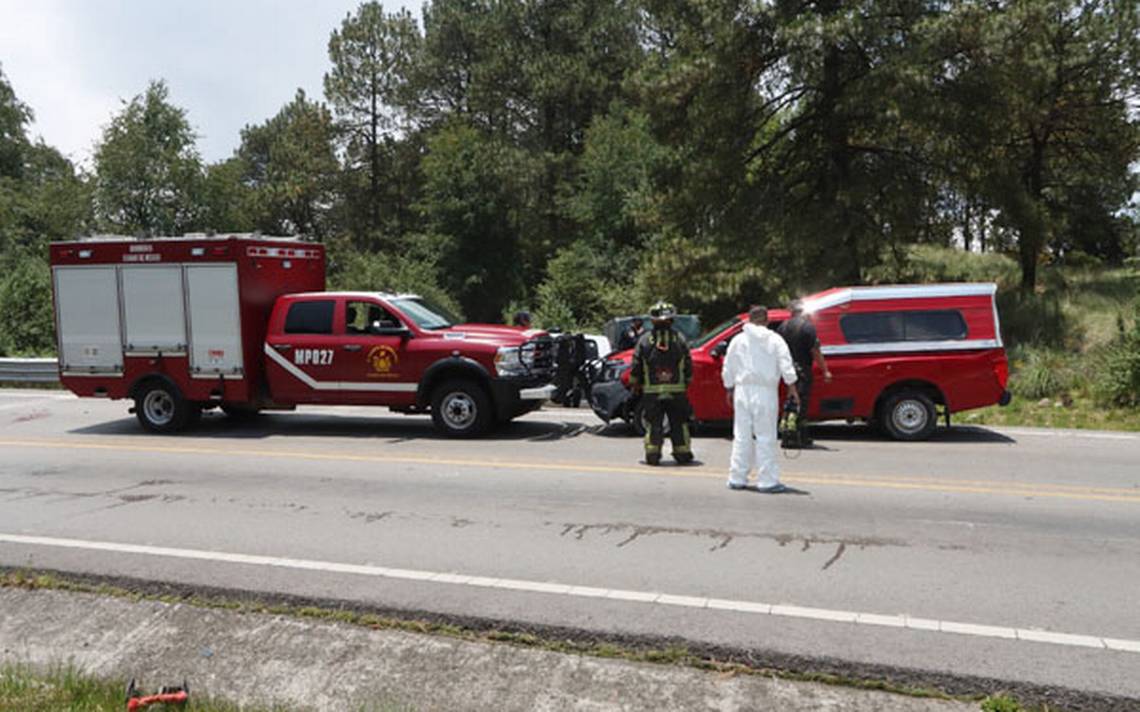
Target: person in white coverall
[755,362]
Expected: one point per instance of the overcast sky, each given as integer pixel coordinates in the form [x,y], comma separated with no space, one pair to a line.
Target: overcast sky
[229,63]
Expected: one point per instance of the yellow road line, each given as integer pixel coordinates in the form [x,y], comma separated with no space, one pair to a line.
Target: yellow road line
[1047,490]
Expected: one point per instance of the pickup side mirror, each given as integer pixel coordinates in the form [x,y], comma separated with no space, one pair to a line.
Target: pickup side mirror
[719,350]
[377,328]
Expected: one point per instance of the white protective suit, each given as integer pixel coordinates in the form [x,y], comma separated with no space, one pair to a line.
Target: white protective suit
[753,366]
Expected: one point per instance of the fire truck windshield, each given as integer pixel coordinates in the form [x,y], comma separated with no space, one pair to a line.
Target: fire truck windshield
[426,314]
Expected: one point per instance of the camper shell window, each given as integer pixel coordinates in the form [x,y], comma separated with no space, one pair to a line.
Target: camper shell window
[888,327]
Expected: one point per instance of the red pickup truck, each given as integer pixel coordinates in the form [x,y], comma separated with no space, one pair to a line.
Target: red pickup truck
[897,354]
[180,325]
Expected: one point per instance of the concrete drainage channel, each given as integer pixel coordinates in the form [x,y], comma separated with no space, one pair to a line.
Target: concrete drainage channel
[328,655]
[266,659]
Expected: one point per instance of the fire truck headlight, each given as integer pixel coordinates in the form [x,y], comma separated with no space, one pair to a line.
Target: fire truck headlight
[508,362]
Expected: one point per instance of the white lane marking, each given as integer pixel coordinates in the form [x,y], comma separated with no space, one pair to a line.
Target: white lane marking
[1063,433]
[558,589]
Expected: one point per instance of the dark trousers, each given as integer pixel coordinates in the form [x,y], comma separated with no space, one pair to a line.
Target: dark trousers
[676,408]
[803,387]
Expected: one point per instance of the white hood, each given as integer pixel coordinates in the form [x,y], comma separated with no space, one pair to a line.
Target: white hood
[758,356]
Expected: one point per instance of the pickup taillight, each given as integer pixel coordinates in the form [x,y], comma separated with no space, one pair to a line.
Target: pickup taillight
[1001,371]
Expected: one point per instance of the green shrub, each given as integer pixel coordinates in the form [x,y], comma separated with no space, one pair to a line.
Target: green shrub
[1042,373]
[585,286]
[1117,377]
[1080,259]
[27,326]
[1034,320]
[411,270]
[923,264]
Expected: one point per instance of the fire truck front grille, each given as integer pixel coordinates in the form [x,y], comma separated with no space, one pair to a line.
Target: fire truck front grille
[538,355]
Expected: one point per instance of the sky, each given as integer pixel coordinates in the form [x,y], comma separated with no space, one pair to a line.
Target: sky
[228,63]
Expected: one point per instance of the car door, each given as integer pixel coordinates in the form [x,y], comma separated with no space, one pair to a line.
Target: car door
[377,366]
[707,393]
[301,353]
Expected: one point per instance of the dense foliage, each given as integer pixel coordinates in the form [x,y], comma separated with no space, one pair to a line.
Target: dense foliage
[582,158]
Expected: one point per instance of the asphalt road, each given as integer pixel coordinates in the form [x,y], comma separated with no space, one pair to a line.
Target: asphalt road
[1011,554]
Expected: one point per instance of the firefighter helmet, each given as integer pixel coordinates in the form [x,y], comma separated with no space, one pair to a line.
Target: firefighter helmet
[662,311]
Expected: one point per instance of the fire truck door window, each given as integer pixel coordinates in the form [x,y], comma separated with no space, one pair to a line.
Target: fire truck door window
[311,317]
[360,317]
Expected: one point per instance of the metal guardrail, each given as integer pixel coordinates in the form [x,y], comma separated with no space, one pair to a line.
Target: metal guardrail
[29,370]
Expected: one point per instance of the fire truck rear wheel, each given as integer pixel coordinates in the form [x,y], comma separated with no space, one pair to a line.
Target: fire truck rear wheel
[909,415]
[161,408]
[461,408]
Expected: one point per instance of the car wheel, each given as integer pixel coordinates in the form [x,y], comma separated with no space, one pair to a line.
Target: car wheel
[909,415]
[461,409]
[161,408]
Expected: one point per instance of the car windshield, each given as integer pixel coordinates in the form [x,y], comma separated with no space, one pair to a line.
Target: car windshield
[714,332]
[426,314]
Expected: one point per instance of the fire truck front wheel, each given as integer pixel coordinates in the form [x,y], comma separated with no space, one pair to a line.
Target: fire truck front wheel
[461,408]
[161,408]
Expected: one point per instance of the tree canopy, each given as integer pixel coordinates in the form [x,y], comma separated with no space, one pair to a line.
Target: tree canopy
[582,158]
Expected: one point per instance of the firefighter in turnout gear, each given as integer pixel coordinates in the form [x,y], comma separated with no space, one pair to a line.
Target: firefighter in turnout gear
[661,372]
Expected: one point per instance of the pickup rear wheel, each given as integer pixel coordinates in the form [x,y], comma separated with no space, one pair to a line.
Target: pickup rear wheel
[909,415]
[161,408]
[461,409]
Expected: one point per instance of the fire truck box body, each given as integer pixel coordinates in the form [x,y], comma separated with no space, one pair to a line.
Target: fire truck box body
[193,311]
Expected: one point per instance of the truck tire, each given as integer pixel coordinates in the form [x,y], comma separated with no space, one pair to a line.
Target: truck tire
[161,408]
[461,409]
[909,415]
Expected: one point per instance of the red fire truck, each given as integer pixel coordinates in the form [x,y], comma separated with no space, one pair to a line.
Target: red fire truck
[243,323]
[896,353]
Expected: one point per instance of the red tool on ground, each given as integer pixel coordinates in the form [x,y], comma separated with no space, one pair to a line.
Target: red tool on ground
[167,695]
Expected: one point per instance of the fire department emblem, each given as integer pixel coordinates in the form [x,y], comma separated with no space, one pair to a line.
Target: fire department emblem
[383,359]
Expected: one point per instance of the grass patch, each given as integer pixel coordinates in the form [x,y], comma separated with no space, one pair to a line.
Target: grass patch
[24,689]
[1079,412]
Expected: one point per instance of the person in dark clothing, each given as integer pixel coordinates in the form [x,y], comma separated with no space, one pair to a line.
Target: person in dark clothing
[661,372]
[522,319]
[630,336]
[803,342]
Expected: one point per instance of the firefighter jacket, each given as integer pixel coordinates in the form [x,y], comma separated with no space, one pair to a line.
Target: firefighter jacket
[661,363]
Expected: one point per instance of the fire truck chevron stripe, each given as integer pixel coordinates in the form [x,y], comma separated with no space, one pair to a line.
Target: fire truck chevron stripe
[336,385]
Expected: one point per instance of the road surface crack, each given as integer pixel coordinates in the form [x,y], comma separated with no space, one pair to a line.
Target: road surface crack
[838,553]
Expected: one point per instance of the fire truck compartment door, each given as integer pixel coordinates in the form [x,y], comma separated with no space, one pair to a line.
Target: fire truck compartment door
[215,319]
[152,308]
[87,312]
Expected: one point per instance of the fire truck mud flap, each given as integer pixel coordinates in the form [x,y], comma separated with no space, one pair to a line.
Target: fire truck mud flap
[608,398]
